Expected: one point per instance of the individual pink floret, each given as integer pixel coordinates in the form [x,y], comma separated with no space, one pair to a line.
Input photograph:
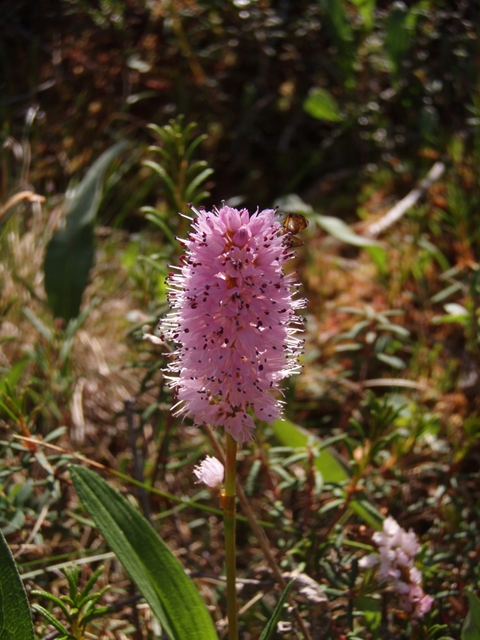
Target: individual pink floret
[234,320]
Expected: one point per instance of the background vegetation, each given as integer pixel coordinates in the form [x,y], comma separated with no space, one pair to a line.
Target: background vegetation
[336,109]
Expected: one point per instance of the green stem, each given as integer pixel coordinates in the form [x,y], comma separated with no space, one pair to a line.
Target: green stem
[228,504]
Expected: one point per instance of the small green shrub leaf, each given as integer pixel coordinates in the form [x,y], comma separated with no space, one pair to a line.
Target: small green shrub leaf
[320,104]
[159,576]
[15,620]
[70,252]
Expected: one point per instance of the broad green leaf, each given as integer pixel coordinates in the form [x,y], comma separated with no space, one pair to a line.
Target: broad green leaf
[70,252]
[471,626]
[15,620]
[159,576]
[322,105]
[338,229]
[328,464]
[272,623]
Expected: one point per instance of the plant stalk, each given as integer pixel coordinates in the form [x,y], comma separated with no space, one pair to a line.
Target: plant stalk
[228,504]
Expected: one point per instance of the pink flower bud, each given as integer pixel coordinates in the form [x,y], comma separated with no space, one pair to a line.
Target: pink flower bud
[210,471]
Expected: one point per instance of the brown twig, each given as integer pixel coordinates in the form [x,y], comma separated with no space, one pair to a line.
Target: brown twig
[404,204]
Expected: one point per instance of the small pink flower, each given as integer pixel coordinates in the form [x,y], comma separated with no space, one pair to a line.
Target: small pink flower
[210,471]
[234,320]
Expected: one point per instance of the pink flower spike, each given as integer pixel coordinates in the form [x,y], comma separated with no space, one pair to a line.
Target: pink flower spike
[210,471]
[397,549]
[233,318]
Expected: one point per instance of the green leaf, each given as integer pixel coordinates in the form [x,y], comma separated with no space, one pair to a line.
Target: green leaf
[338,229]
[70,252]
[471,626]
[159,576]
[272,623]
[15,620]
[322,105]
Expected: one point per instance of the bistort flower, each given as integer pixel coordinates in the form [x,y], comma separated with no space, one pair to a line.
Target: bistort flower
[210,471]
[233,319]
[397,549]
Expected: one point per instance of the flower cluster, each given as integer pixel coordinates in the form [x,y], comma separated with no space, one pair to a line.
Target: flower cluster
[397,549]
[210,471]
[234,320]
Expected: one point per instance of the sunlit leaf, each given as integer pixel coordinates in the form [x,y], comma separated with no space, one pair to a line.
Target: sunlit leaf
[338,229]
[322,105]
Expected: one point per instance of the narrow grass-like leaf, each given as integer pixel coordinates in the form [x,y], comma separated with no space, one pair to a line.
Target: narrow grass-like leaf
[193,145]
[272,623]
[49,617]
[15,620]
[162,173]
[54,599]
[159,576]
[154,216]
[196,182]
